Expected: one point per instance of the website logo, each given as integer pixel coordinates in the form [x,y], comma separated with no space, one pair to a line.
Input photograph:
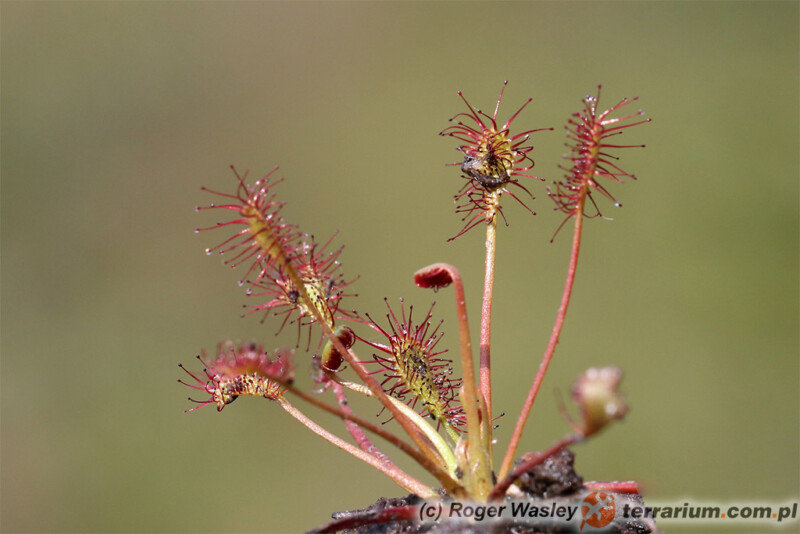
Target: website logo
[598,509]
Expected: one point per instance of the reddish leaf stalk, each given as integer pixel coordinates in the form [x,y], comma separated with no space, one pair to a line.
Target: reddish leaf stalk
[407,448]
[536,458]
[486,317]
[376,517]
[405,480]
[440,275]
[627,486]
[551,346]
[359,436]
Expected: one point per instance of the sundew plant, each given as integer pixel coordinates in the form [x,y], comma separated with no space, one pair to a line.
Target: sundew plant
[438,413]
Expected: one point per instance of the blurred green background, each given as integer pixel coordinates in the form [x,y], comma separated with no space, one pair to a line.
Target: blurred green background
[114,115]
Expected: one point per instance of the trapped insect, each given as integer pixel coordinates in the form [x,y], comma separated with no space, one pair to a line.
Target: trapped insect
[488,170]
